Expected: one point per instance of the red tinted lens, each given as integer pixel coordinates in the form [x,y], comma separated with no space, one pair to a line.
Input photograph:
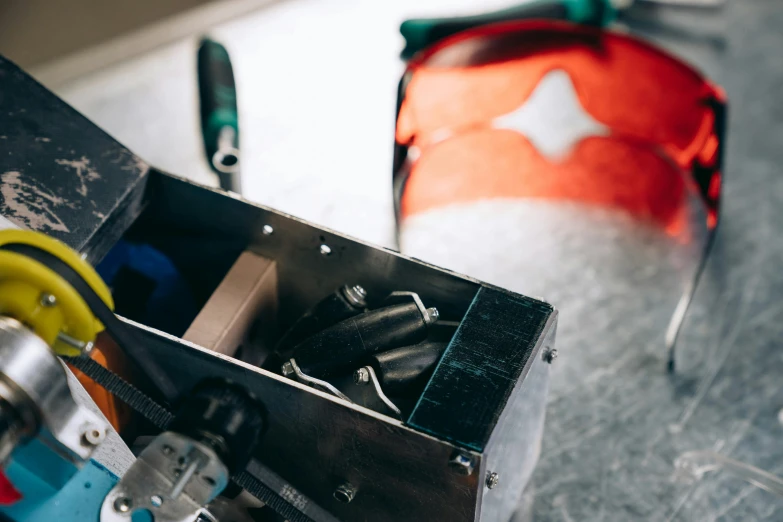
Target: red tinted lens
[500,163]
[636,90]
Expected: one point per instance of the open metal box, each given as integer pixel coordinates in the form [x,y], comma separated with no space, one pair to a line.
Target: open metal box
[480,414]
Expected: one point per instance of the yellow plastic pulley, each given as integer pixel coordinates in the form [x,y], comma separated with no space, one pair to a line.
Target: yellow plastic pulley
[38,297]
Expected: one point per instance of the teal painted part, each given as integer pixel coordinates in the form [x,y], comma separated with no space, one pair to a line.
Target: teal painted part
[593,12]
[78,501]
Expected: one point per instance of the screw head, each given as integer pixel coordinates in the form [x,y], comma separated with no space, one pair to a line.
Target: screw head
[326,250]
[493,479]
[361,376]
[344,493]
[462,464]
[549,356]
[268,230]
[122,504]
[432,315]
[156,500]
[167,450]
[356,295]
[48,300]
[287,369]
[93,436]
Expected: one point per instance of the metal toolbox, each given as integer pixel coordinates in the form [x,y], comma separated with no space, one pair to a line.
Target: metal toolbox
[467,447]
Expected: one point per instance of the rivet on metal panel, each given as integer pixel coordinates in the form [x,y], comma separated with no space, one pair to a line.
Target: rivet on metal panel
[48,300]
[326,250]
[268,230]
[549,355]
[493,479]
[462,464]
[344,493]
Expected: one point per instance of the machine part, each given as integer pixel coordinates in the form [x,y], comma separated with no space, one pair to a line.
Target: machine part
[34,294]
[493,479]
[361,376]
[350,342]
[37,402]
[356,295]
[462,464]
[294,410]
[223,416]
[173,479]
[84,348]
[245,296]
[72,280]
[347,301]
[123,390]
[254,480]
[219,116]
[291,367]
[401,368]
[378,389]
[344,493]
[431,315]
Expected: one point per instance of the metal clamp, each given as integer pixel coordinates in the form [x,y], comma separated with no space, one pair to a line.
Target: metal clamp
[34,390]
[291,367]
[430,315]
[366,375]
[173,479]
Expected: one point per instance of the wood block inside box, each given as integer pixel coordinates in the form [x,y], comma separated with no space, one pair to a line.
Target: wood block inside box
[247,294]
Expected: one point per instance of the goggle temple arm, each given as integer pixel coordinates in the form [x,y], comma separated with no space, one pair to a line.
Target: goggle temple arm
[709,180]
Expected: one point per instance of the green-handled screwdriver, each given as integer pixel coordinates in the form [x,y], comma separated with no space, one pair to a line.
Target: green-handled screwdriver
[219,119]
[423,32]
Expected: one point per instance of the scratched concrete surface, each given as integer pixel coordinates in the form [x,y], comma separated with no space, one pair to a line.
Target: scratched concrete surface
[316,99]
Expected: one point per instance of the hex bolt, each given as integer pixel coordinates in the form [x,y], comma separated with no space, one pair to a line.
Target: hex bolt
[287,369]
[122,504]
[462,464]
[48,300]
[344,493]
[432,315]
[492,479]
[326,250]
[268,230]
[93,436]
[550,355]
[356,295]
[361,376]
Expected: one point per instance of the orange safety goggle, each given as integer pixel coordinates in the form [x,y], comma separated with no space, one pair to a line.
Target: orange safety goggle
[658,128]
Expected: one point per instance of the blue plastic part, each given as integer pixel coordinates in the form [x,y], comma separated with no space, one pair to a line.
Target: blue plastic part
[170,306]
[78,501]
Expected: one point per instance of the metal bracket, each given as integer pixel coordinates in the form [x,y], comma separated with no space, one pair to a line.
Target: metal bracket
[173,479]
[317,383]
[379,391]
[34,384]
[430,315]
